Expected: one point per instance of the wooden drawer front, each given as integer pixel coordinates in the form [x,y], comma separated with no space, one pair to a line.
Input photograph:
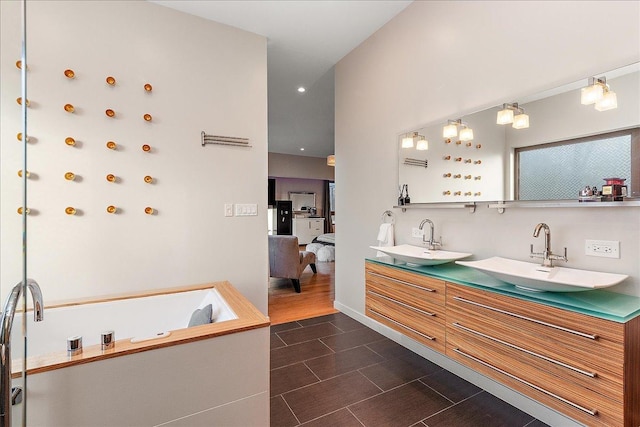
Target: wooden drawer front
[519,372]
[426,327]
[413,296]
[413,286]
[589,343]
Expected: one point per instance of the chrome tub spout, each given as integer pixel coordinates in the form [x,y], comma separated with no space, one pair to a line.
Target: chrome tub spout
[5,343]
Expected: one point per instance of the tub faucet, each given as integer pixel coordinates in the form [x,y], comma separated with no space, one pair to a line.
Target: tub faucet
[547,256]
[432,243]
[7,395]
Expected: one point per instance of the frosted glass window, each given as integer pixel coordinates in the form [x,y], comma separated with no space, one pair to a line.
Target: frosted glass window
[560,171]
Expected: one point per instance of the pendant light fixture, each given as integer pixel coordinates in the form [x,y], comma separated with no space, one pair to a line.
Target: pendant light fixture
[331,160]
[407,140]
[422,143]
[450,130]
[598,92]
[513,114]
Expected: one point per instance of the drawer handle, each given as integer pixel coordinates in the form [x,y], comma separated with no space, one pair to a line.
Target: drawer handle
[401,281]
[540,322]
[548,359]
[403,326]
[592,412]
[427,313]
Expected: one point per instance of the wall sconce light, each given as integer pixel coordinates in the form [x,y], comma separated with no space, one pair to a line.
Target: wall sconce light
[407,140]
[331,160]
[513,113]
[598,92]
[422,143]
[451,130]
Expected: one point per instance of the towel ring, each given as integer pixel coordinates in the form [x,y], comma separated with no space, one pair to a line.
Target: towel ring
[388,214]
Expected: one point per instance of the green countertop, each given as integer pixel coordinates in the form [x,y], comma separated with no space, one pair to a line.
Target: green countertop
[598,303]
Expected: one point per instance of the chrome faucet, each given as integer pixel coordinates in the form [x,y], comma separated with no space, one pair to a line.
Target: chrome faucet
[431,242]
[547,256]
[7,395]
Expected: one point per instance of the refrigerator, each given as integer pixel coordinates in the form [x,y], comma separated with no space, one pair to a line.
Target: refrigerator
[283,217]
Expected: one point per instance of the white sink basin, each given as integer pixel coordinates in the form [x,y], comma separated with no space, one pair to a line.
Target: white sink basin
[534,277]
[417,255]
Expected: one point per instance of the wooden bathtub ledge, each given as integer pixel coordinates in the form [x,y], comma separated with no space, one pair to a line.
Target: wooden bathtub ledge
[249,318]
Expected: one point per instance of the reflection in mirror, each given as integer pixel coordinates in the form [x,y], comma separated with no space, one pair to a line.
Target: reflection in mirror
[564,135]
[302,201]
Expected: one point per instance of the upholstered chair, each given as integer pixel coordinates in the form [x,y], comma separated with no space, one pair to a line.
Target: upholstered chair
[286,260]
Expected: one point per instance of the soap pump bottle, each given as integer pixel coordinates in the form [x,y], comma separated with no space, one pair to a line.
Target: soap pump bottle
[407,199]
[401,196]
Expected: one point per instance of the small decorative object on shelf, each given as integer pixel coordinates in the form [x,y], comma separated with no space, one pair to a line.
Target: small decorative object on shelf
[467,160]
[477,194]
[148,87]
[446,175]
[447,157]
[467,177]
[69,108]
[468,193]
[20,173]
[70,210]
[146,148]
[70,141]
[478,178]
[457,193]
[19,101]
[20,210]
[457,175]
[112,209]
[110,113]
[458,159]
[147,117]
[111,178]
[111,145]
[446,193]
[69,176]
[477,162]
[111,81]
[149,210]
[148,179]
[69,74]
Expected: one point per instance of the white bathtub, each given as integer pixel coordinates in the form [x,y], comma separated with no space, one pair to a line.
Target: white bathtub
[137,318]
[213,374]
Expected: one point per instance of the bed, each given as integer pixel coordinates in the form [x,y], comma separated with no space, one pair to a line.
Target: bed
[327,239]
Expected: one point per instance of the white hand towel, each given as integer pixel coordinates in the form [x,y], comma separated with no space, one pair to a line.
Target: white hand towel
[385,237]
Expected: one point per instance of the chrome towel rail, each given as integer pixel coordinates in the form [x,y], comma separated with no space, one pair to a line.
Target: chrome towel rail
[223,140]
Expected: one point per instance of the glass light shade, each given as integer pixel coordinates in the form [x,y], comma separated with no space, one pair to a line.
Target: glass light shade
[331,160]
[609,101]
[449,131]
[521,121]
[505,116]
[466,134]
[422,144]
[407,142]
[591,94]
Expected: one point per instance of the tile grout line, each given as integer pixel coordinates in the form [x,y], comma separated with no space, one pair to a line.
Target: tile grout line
[452,406]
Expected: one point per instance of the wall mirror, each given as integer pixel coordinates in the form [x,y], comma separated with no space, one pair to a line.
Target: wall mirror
[566,147]
[302,201]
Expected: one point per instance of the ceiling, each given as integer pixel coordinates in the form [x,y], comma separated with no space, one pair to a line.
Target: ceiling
[305,39]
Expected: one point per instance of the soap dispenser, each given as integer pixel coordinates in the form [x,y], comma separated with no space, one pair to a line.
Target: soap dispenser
[407,199]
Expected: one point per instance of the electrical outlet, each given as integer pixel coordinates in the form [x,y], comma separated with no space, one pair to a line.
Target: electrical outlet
[602,248]
[416,232]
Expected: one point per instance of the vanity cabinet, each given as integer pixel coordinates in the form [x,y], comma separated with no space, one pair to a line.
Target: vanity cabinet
[583,366]
[307,229]
[580,365]
[409,303]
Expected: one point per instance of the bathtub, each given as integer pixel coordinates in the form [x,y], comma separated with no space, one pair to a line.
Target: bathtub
[160,372]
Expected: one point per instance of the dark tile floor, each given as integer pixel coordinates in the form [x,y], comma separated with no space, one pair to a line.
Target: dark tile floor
[335,371]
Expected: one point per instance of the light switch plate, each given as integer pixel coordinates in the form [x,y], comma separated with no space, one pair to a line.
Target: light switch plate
[602,248]
[246,209]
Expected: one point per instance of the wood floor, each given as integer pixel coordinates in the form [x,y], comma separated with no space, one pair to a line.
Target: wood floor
[315,299]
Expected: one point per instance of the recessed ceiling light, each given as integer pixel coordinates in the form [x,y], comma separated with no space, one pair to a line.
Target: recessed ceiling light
[301,89]
[302,149]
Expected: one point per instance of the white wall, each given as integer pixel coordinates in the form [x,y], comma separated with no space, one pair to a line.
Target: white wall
[439,58]
[205,76]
